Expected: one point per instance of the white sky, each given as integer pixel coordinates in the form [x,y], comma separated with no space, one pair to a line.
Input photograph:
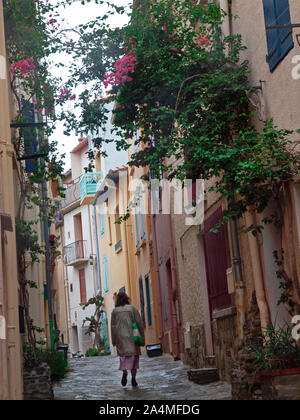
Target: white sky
[73,15]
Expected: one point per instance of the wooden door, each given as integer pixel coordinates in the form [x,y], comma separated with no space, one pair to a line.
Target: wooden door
[82,285]
[216,261]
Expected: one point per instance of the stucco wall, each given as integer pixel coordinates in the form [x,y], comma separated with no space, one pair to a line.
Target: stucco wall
[77,314]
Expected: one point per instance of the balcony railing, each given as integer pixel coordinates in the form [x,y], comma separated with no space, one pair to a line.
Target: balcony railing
[75,253]
[72,193]
[89,183]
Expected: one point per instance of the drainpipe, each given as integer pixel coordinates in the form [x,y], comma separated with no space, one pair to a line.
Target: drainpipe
[45,224]
[238,274]
[258,275]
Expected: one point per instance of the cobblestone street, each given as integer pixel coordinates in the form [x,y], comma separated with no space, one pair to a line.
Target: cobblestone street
[159,378]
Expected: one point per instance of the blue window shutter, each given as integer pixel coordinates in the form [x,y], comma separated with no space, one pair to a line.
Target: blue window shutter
[30,138]
[106,288]
[101,220]
[284,18]
[104,330]
[279,41]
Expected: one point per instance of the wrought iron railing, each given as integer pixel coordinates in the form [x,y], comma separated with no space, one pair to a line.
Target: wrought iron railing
[72,193]
[74,252]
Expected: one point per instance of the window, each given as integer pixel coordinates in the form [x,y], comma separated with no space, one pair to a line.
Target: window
[279,41]
[82,285]
[148,298]
[117,225]
[109,230]
[106,288]
[30,139]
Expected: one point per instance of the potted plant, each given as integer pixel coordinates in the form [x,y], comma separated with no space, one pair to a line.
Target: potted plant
[278,363]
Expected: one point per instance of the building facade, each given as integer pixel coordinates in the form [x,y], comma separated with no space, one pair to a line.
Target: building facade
[223,274]
[11,386]
[79,250]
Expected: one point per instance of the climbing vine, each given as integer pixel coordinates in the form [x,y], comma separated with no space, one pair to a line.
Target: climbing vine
[180,91]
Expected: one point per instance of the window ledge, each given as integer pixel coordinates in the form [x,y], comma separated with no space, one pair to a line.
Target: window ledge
[224,313]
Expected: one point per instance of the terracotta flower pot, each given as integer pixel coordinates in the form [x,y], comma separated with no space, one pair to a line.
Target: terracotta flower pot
[281,372]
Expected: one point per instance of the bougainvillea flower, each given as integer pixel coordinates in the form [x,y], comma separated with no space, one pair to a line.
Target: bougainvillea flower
[202,40]
[22,67]
[63,92]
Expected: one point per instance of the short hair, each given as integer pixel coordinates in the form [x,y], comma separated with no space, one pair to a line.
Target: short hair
[122,299]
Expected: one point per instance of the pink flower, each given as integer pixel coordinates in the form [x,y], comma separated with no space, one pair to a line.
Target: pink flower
[63,92]
[123,67]
[22,67]
[202,40]
[72,97]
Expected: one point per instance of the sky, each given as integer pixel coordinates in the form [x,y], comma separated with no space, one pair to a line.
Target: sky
[74,15]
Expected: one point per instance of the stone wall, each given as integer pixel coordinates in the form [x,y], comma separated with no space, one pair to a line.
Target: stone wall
[245,379]
[281,388]
[225,343]
[37,383]
[195,354]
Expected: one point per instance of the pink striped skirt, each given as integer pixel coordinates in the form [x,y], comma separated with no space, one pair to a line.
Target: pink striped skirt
[129,362]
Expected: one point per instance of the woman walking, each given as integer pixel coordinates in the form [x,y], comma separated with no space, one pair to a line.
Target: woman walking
[123,317]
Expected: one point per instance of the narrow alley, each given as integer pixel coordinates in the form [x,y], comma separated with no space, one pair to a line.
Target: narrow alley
[160,378]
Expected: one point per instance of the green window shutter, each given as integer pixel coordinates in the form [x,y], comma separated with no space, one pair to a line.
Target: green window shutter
[148,297]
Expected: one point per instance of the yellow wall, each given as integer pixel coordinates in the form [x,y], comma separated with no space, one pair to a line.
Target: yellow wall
[10,346]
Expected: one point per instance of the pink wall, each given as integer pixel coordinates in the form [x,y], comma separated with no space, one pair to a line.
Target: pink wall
[170,317]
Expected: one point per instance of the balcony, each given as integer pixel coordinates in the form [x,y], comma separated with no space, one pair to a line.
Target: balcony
[75,254]
[72,196]
[89,184]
